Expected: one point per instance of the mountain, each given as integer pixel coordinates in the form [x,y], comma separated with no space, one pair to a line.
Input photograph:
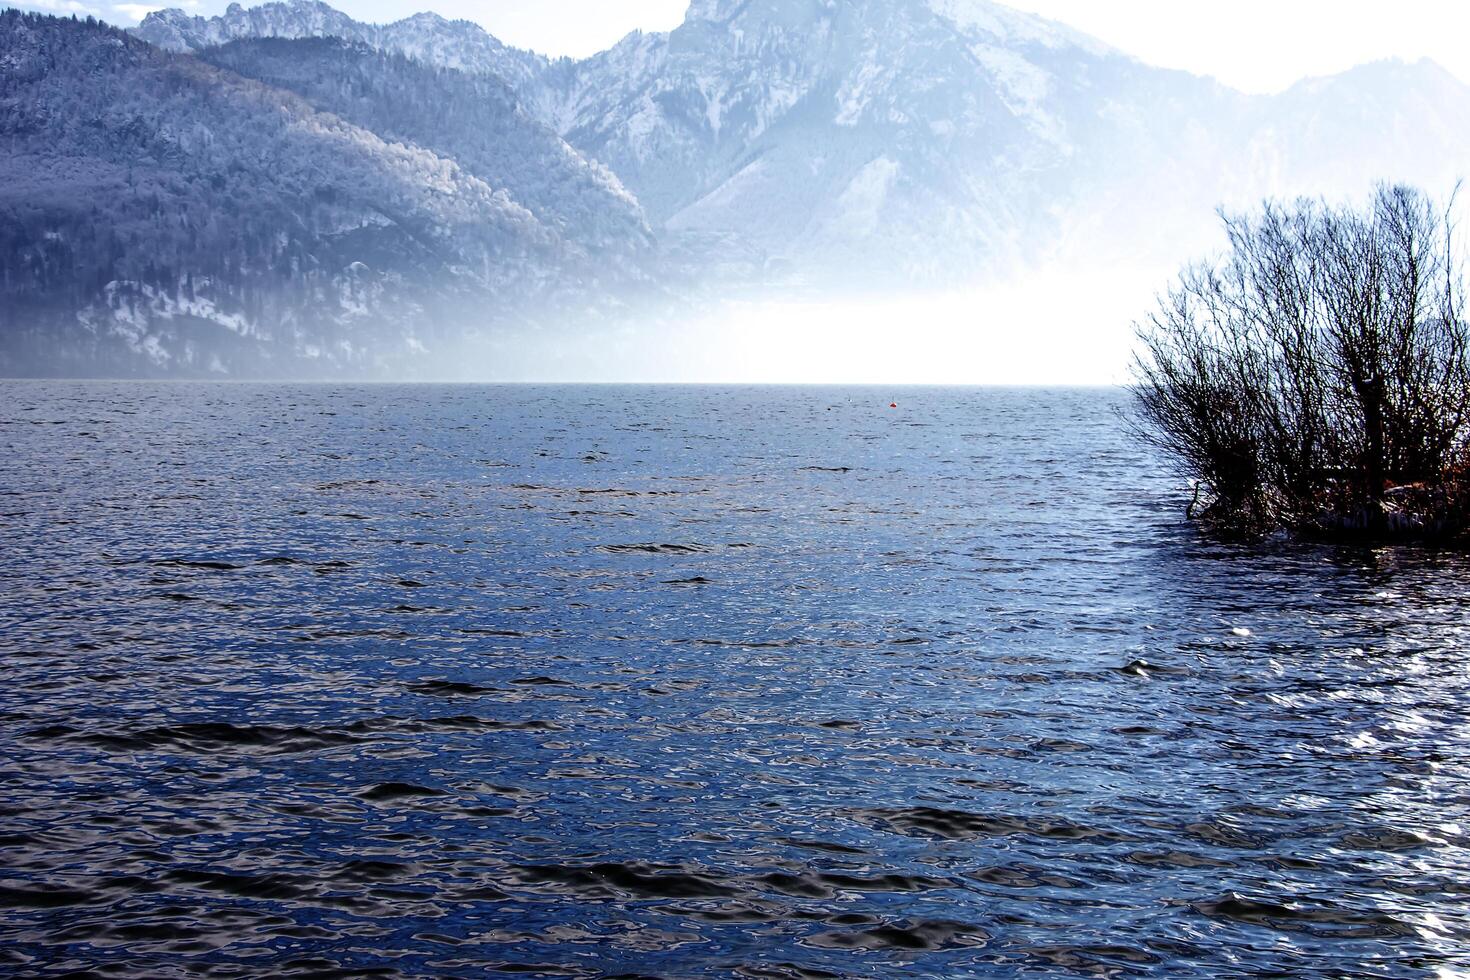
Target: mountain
[287,190]
[890,143]
[890,139]
[158,214]
[1392,119]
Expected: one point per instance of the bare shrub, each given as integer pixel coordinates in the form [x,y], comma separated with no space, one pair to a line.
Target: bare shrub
[1317,376]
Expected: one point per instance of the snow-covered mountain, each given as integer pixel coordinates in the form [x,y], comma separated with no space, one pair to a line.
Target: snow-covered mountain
[894,140]
[901,141]
[286,184]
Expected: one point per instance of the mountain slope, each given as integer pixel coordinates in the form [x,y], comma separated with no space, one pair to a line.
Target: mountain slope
[933,140]
[473,119]
[158,214]
[893,139]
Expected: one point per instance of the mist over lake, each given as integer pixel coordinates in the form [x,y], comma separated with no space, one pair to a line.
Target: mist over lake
[698,681]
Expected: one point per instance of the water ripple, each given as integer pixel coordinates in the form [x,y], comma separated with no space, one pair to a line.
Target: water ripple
[418,682]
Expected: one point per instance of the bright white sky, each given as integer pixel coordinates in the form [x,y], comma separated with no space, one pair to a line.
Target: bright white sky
[1256,45]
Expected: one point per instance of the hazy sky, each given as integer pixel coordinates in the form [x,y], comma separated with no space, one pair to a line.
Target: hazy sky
[1257,45]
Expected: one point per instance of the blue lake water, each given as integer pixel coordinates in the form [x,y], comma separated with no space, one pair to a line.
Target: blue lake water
[693,682]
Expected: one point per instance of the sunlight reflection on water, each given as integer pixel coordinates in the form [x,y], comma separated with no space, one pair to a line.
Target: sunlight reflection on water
[772,682]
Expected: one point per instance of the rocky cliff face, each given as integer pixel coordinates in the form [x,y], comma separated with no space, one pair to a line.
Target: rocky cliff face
[427,37]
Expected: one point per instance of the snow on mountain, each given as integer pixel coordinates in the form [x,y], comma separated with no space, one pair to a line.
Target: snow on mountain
[940,140]
[473,119]
[899,138]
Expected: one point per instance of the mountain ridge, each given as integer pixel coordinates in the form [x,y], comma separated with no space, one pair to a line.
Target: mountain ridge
[427,36]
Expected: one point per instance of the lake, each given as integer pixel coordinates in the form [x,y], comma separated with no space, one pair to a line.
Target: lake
[698,682]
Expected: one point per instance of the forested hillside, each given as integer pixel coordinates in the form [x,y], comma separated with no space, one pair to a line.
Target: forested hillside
[159,214]
[474,119]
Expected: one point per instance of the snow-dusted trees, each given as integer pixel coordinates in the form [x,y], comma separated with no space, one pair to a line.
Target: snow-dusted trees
[1318,376]
[139,189]
[473,119]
